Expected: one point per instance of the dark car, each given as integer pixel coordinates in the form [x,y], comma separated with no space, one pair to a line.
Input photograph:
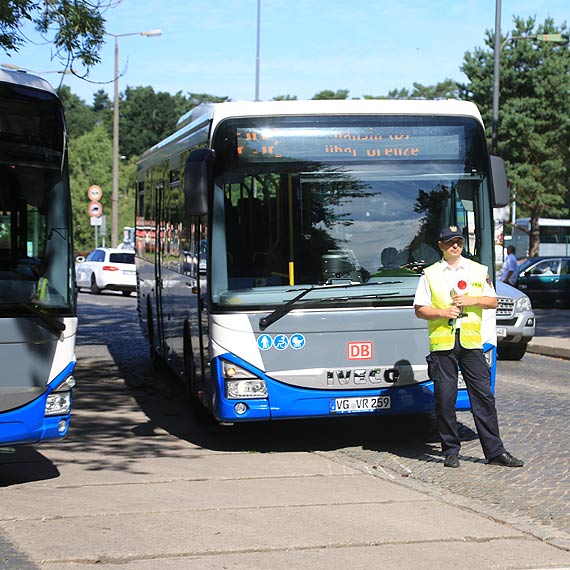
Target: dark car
[546,280]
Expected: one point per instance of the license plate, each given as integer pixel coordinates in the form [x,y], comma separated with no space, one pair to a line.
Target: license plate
[128,272]
[354,405]
[501,331]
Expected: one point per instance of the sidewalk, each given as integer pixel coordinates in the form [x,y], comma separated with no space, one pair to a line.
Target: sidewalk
[552,337]
[140,486]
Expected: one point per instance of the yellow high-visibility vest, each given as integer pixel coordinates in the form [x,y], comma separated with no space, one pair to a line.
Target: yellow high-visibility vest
[441,334]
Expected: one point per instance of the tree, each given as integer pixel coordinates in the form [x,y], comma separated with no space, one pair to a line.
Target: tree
[80,118]
[75,28]
[90,160]
[534,117]
[285,98]
[446,89]
[146,117]
[330,94]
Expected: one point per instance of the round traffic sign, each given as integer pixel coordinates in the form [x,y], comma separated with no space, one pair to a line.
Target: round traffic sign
[94,193]
[95,209]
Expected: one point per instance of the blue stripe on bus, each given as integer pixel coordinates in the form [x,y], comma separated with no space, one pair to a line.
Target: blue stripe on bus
[286,402]
[28,423]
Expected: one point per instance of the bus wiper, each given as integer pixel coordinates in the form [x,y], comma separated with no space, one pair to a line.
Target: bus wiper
[347,298]
[47,321]
[267,321]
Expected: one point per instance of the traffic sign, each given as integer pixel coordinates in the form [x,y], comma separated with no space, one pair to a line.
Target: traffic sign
[95,209]
[94,193]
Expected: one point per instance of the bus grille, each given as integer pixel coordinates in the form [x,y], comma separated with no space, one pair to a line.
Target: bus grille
[505,307]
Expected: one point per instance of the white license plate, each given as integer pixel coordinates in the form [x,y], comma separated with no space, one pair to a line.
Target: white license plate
[365,404]
[129,272]
[501,331]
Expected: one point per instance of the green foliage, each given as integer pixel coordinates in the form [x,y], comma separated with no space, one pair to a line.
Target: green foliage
[147,117]
[329,94]
[285,98]
[447,89]
[90,162]
[74,27]
[80,118]
[534,115]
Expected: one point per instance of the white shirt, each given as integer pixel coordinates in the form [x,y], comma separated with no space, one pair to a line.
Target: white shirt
[511,264]
[452,276]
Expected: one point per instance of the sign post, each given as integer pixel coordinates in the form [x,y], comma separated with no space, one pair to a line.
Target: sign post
[95,210]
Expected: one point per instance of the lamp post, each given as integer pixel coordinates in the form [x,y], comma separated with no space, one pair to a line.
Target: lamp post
[257,59]
[115,192]
[559,39]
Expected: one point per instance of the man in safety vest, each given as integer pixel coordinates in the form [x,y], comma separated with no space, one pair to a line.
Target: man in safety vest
[451,296]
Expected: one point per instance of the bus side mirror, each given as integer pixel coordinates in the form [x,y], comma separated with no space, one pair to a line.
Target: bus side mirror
[198,179]
[501,193]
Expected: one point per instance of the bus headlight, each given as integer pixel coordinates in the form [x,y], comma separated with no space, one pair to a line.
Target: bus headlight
[241,383]
[241,389]
[58,404]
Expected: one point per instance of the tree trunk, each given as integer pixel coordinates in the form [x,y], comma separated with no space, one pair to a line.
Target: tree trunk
[534,237]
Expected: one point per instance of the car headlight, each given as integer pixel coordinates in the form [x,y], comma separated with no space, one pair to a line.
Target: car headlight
[241,384]
[523,304]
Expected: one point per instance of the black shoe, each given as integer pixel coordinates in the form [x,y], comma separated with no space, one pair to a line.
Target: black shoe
[506,460]
[451,460]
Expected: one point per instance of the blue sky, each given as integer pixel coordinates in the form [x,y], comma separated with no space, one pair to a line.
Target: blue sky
[365,46]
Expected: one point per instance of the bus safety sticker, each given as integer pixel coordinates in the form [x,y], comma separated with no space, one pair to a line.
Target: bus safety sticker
[281,342]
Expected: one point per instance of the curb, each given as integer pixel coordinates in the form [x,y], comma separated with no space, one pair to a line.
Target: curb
[549,350]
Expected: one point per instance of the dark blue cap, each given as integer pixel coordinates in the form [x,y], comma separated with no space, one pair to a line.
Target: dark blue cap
[450,233]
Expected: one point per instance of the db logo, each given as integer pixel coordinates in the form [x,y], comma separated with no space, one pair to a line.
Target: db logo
[360,350]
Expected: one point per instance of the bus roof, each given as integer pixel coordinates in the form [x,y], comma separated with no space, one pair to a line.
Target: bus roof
[543,222]
[26,79]
[210,114]
[234,109]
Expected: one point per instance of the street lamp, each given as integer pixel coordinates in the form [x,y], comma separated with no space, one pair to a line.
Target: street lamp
[115,193]
[257,58]
[559,39]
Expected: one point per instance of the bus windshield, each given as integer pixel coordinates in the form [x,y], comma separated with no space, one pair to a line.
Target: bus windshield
[35,256]
[356,200]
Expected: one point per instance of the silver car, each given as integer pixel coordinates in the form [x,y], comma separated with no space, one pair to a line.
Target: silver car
[515,322]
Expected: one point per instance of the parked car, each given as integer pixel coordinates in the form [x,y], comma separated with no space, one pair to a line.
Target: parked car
[546,280]
[515,322]
[107,268]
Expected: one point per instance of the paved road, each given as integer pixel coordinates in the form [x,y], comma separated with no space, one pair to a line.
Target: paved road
[138,483]
[533,399]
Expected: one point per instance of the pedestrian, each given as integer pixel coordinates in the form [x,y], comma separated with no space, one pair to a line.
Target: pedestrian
[510,272]
[451,296]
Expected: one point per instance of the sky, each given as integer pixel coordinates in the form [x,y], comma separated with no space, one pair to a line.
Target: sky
[367,47]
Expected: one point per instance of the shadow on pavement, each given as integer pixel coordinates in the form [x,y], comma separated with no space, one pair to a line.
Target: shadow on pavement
[24,464]
[125,404]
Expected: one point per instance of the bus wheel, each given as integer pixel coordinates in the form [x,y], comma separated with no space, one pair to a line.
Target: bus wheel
[126,293]
[94,287]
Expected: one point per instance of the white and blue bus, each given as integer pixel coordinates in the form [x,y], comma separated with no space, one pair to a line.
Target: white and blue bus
[279,245]
[554,236]
[38,320]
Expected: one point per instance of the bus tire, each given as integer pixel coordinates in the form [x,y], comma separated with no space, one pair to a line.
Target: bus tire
[95,290]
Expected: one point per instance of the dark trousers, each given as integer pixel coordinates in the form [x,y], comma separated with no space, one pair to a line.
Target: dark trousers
[442,368]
